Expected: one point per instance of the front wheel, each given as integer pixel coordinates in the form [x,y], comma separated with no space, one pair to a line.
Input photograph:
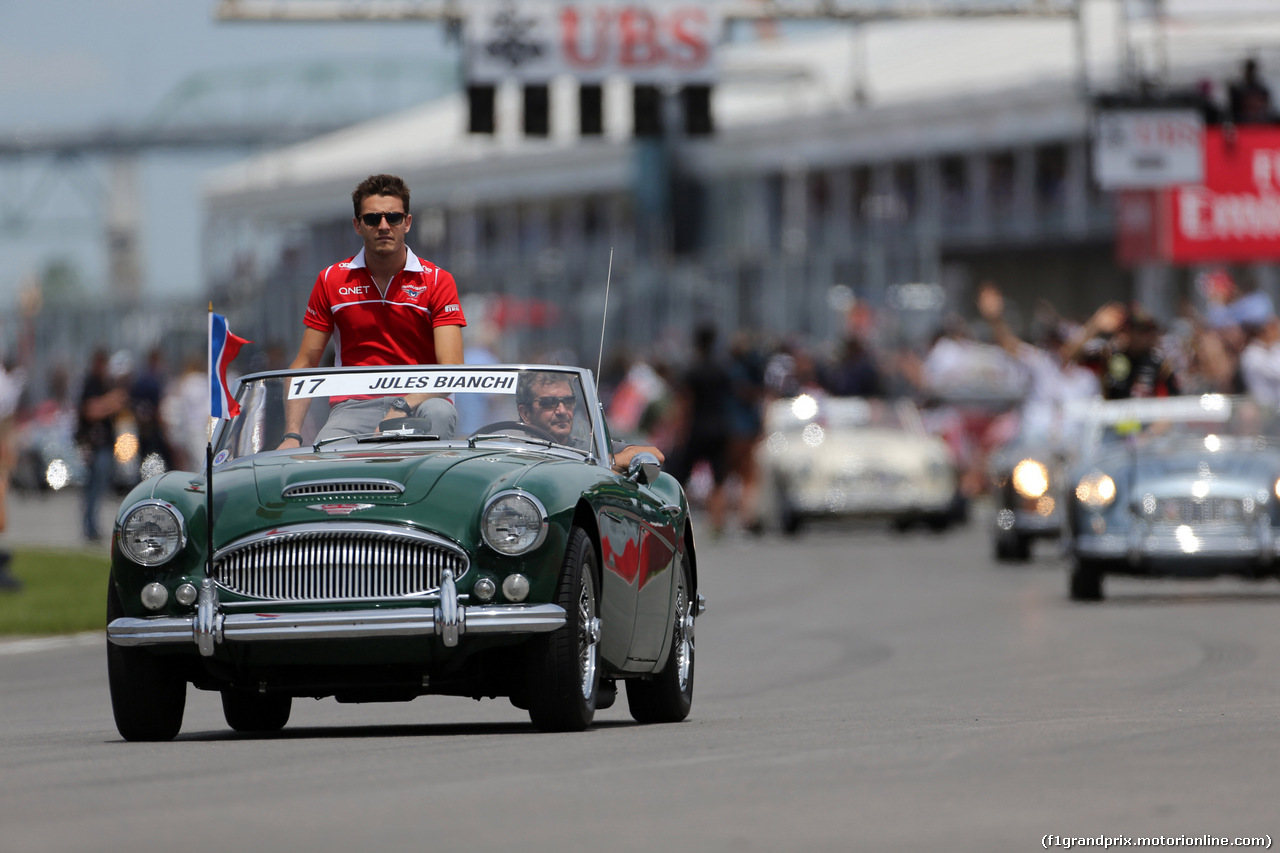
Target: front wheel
[256,712]
[148,698]
[668,696]
[563,672]
[1086,580]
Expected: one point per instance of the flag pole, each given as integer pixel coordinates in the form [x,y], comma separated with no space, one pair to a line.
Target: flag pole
[208,463]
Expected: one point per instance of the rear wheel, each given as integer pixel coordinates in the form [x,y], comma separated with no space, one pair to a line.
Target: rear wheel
[667,697]
[1086,580]
[148,697]
[563,672]
[256,712]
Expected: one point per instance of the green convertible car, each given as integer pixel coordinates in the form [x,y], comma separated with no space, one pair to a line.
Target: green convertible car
[477,544]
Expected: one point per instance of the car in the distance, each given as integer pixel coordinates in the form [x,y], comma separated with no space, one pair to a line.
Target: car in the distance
[853,458]
[1182,487]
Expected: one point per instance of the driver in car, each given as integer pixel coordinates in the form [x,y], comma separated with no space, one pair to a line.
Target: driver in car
[546,401]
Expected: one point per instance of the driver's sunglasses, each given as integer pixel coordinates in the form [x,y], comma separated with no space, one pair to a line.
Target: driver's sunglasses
[549,403]
[372,219]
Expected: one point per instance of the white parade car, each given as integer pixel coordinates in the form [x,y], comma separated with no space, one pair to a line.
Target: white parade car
[854,458]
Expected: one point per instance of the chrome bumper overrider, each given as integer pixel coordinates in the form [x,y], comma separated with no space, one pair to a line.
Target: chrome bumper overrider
[448,619]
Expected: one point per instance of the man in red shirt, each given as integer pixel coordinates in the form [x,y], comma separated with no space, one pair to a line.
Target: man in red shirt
[383,306]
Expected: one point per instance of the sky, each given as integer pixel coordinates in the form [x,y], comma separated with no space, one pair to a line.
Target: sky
[83,64]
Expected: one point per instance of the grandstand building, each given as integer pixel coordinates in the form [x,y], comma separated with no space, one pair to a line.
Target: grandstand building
[898,167]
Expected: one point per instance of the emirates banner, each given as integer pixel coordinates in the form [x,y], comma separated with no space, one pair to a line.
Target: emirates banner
[1234,215]
[662,41]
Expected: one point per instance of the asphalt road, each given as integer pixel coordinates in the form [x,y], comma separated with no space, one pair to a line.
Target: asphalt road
[855,691]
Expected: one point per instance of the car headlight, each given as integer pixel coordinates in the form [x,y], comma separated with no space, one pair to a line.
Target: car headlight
[513,523]
[152,533]
[1096,490]
[1030,478]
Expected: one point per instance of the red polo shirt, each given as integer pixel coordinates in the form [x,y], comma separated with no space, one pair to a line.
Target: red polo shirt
[371,329]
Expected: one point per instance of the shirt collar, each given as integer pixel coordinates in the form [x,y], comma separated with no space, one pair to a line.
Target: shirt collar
[412,263]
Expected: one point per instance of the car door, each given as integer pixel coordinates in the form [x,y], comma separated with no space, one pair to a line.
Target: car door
[637,544]
[655,577]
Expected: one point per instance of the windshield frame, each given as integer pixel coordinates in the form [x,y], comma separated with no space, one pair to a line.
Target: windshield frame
[598,442]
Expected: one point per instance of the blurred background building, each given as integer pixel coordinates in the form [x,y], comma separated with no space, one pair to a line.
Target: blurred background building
[852,153]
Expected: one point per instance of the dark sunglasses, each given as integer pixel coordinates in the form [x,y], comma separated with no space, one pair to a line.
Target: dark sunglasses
[372,219]
[548,403]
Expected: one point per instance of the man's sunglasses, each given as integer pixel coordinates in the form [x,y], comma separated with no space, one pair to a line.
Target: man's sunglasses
[372,219]
[549,403]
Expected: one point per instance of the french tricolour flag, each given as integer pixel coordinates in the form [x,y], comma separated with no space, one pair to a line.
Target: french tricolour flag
[223,347]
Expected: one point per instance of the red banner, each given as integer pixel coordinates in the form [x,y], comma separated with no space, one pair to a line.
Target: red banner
[1235,214]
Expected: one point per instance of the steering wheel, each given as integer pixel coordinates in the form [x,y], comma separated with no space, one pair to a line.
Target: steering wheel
[535,431]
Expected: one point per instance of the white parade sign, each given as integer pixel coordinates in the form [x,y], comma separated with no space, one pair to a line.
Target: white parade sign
[401,382]
[1148,149]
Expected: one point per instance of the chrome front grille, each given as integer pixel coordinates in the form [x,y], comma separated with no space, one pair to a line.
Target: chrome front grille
[345,489]
[326,562]
[1209,510]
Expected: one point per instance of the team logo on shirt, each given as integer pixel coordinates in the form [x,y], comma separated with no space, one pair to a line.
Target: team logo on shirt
[412,292]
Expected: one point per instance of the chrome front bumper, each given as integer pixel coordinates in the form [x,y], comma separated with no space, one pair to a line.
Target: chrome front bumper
[448,620]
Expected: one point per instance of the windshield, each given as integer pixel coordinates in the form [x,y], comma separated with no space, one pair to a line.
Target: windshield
[1213,421]
[454,404]
[843,413]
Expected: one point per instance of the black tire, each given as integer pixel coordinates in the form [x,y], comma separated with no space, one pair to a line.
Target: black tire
[1012,548]
[148,697]
[1086,581]
[256,712]
[564,672]
[668,696]
[789,521]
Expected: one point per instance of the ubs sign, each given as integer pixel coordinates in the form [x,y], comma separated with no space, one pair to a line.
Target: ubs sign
[656,42]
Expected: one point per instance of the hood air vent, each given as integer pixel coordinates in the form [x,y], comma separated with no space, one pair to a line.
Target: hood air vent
[345,489]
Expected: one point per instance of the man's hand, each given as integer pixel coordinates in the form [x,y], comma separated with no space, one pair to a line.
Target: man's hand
[990,302]
[1108,319]
[622,459]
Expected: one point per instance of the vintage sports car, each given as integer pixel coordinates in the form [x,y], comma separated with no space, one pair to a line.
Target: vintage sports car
[498,556]
[1175,487]
[853,458]
[1029,478]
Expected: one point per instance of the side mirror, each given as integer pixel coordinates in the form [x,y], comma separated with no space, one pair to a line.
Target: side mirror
[644,468]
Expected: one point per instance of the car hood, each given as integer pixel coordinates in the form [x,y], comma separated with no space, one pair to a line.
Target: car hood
[1174,473]
[415,474]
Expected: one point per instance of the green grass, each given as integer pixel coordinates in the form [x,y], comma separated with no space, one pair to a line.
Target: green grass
[63,592]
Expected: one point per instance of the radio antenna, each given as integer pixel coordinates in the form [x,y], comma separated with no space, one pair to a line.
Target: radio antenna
[604,321]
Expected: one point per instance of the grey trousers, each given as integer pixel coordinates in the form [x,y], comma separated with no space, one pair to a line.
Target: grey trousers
[360,417]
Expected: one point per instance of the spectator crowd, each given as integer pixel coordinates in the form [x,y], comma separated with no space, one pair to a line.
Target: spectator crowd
[978,381]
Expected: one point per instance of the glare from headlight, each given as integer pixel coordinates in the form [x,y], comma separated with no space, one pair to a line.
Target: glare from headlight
[57,475]
[813,435]
[1030,478]
[152,466]
[1096,490]
[152,533]
[804,407]
[513,523]
[126,446]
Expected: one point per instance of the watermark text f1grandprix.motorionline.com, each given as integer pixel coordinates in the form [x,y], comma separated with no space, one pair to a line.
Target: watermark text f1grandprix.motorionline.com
[1106,842]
